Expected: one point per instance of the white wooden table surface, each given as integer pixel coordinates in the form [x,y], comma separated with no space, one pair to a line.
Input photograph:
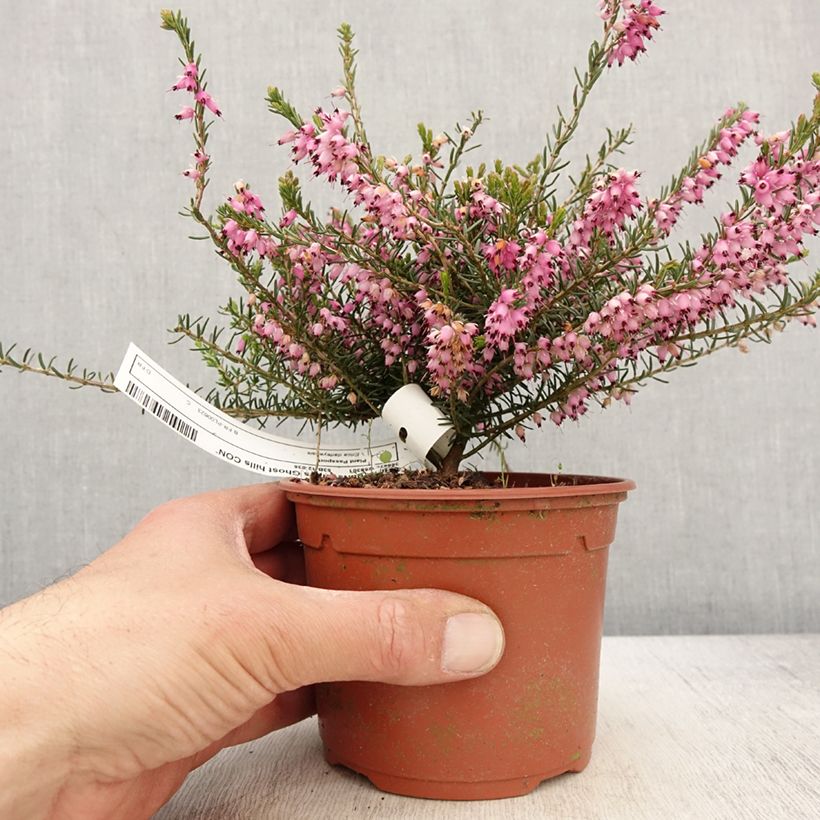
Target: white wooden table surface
[699,727]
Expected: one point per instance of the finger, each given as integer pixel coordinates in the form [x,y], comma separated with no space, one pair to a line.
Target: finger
[285,562]
[410,637]
[252,519]
[269,518]
[265,514]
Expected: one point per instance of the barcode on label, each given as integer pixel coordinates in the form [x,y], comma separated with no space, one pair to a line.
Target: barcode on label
[162,412]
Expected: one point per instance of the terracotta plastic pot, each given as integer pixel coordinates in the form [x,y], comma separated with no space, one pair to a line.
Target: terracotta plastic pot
[534,552]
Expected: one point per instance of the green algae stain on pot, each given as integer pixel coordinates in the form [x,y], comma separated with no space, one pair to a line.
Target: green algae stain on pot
[486,511]
[445,736]
[384,572]
[484,515]
[541,697]
[530,707]
[562,695]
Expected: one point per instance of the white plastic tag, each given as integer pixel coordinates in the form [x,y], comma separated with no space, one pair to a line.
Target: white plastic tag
[189,415]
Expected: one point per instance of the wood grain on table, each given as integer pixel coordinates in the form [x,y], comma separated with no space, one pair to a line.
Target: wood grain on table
[701,727]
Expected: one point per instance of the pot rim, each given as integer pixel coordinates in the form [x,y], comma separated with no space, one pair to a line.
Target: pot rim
[587,486]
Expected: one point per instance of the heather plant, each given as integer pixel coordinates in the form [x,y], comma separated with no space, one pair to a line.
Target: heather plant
[511,294]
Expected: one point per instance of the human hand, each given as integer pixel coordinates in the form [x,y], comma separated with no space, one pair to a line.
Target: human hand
[192,634]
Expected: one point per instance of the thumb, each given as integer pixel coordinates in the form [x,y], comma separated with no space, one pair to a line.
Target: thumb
[410,637]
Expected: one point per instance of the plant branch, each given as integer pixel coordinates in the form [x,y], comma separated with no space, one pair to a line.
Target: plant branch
[31,362]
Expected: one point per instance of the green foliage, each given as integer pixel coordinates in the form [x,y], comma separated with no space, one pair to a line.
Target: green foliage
[290,192]
[277,104]
[32,362]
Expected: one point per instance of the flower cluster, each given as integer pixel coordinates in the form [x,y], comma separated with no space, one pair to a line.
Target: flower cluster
[746,259]
[693,186]
[614,201]
[191,82]
[634,28]
[450,351]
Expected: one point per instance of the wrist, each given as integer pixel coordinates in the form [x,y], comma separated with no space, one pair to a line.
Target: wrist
[35,739]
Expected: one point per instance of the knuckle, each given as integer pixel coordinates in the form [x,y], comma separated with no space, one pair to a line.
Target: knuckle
[168,511]
[402,638]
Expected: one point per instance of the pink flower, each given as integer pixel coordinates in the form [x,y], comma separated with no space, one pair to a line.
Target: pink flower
[772,186]
[506,316]
[776,142]
[192,173]
[576,404]
[185,82]
[303,140]
[614,200]
[288,219]
[450,352]
[633,30]
[331,153]
[204,98]
[501,255]
[245,201]
[186,113]
[240,242]
[484,207]
[524,361]
[593,322]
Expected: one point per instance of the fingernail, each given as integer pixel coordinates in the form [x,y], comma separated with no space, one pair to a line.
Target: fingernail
[473,642]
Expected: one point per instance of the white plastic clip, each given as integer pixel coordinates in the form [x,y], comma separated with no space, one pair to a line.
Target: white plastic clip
[425,430]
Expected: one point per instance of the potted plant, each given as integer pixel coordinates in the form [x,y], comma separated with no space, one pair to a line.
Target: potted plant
[466,305]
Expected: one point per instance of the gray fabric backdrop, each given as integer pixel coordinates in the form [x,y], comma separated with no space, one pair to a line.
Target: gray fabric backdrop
[723,534]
